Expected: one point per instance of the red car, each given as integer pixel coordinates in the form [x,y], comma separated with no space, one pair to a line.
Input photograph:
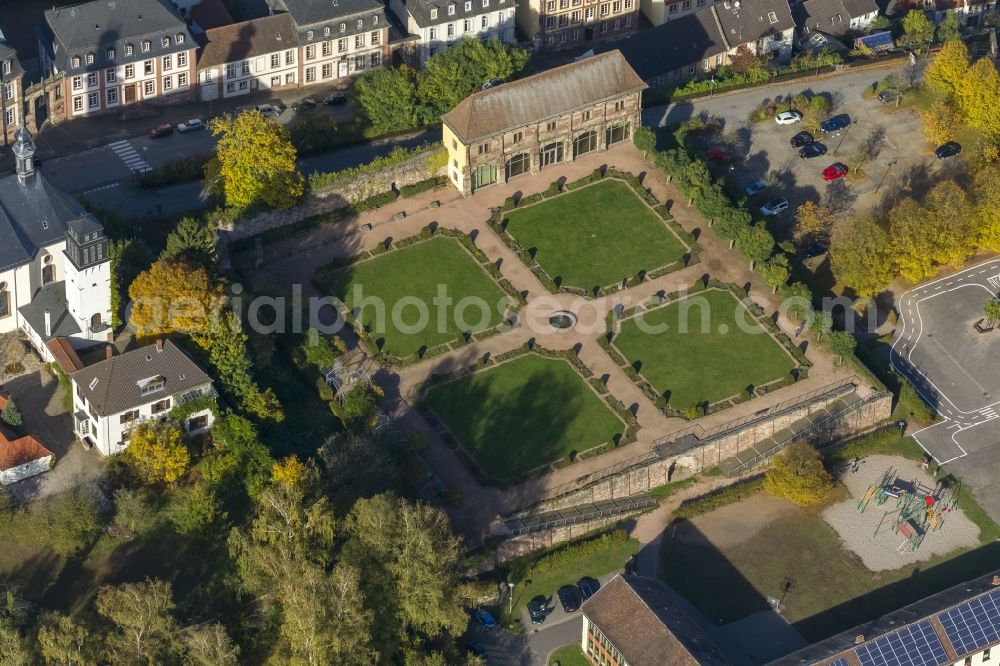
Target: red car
[717,153]
[834,171]
[161,131]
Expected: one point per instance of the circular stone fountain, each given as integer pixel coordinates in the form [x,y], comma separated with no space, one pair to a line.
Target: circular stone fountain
[562,319]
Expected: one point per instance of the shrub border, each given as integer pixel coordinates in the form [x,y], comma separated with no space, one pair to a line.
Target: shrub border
[615,406]
[498,222]
[606,341]
[427,233]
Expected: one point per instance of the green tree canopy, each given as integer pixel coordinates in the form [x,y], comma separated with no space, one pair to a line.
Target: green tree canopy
[861,256]
[950,28]
[842,343]
[797,474]
[388,98]
[191,241]
[457,72]
[917,27]
[142,613]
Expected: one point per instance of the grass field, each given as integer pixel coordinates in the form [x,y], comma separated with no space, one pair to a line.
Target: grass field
[831,589]
[568,655]
[414,274]
[595,236]
[523,414]
[703,363]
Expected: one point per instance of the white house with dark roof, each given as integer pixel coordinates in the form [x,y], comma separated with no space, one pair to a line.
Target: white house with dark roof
[115,52]
[441,24]
[337,38]
[114,395]
[834,17]
[55,273]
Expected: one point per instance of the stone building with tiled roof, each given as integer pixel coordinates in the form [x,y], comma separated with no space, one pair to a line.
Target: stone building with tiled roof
[112,396]
[261,54]
[20,457]
[524,126]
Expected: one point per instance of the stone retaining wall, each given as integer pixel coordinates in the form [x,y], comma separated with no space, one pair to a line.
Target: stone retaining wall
[522,545]
[645,477]
[335,196]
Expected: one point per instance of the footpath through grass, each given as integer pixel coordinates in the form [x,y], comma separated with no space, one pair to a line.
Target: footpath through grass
[703,355]
[595,236]
[523,414]
[413,275]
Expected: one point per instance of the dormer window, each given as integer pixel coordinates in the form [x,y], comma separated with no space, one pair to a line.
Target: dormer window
[309,35]
[179,38]
[90,58]
[375,20]
[451,10]
[151,385]
[468,6]
[434,13]
[145,45]
[165,41]
[6,67]
[361,23]
[326,31]
[343,27]
[110,54]
[76,61]
[128,49]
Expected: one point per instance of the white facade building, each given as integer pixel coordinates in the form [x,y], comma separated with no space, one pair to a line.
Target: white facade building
[441,24]
[113,396]
[262,54]
[55,274]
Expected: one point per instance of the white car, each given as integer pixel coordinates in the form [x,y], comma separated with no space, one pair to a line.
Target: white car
[192,125]
[774,206]
[788,117]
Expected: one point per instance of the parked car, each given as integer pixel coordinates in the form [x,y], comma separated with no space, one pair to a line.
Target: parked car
[788,117]
[813,250]
[588,587]
[888,96]
[303,104]
[812,150]
[484,618]
[801,139]
[278,104]
[268,111]
[835,124]
[569,598]
[949,149]
[477,649]
[336,99]
[755,188]
[492,83]
[161,131]
[536,609]
[192,125]
[717,153]
[834,171]
[775,206]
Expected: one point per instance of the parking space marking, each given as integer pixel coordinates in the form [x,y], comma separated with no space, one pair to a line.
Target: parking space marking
[127,154]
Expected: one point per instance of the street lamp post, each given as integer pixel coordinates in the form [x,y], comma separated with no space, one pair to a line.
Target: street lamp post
[892,163]
[712,87]
[510,598]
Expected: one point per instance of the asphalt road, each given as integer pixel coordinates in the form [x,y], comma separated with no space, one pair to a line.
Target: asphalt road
[102,177]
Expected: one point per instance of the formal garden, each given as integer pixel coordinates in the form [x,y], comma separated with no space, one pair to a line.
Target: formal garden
[596,233]
[703,349]
[530,409]
[389,294]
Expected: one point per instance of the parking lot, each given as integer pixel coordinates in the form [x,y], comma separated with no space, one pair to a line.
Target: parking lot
[761,150]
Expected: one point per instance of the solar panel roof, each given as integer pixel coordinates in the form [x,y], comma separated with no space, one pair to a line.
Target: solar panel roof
[915,645]
[974,624]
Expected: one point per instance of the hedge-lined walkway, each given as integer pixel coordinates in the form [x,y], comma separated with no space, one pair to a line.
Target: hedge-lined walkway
[296,259]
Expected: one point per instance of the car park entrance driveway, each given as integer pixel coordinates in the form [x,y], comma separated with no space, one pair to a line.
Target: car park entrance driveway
[953,364]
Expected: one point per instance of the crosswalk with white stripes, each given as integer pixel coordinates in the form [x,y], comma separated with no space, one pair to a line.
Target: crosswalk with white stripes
[127,154]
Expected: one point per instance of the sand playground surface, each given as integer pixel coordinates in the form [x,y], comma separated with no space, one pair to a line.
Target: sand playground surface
[888,549]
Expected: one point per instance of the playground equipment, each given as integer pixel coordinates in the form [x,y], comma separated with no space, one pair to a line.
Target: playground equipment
[919,508]
[346,371]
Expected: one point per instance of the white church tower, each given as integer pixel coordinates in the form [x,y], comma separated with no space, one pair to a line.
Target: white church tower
[88,277]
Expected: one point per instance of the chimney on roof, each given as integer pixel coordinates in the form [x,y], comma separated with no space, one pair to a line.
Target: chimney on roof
[159,345]
[996,580]
[109,351]
[48,324]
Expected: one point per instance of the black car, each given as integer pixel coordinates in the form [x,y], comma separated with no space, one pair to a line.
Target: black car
[813,250]
[477,649]
[812,150]
[536,609]
[949,149]
[336,99]
[888,96]
[801,139]
[303,104]
[569,598]
[835,124]
[587,587]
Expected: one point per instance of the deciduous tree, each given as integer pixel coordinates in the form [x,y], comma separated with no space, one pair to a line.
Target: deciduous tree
[173,297]
[991,310]
[979,97]
[388,98]
[13,649]
[775,272]
[797,474]
[986,189]
[454,74]
[917,27]
[142,614]
[156,453]
[756,243]
[63,641]
[945,73]
[813,222]
[950,28]
[359,407]
[861,256]
[940,232]
[842,344]
[209,645]
[10,414]
[256,161]
[941,121]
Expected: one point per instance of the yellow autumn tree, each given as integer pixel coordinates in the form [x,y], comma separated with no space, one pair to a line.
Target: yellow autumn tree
[941,121]
[797,474]
[861,256]
[947,70]
[978,96]
[290,472]
[156,453]
[173,297]
[939,232]
[986,186]
[813,221]
[256,161]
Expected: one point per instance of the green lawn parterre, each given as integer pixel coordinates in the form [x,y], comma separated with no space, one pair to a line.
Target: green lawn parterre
[414,273]
[523,414]
[595,236]
[703,363]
